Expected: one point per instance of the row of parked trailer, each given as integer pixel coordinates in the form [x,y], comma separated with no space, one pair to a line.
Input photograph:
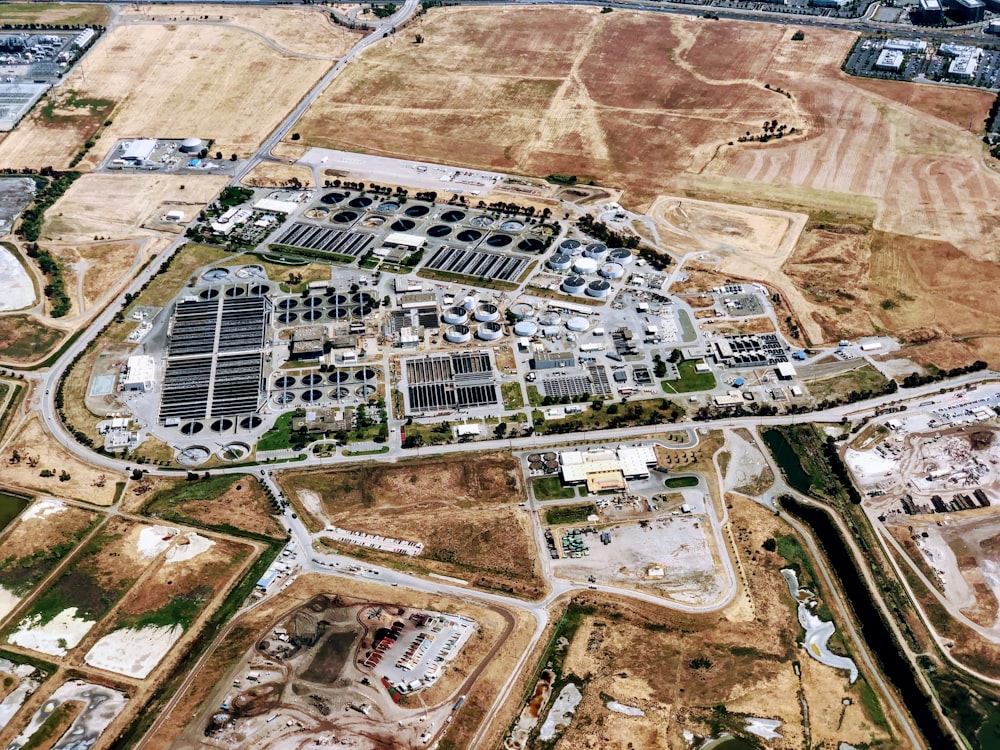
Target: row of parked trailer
[384,644]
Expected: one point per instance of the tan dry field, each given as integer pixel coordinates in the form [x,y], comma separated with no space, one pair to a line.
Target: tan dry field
[86,483]
[543,90]
[626,649]
[211,679]
[115,206]
[299,31]
[170,82]
[54,13]
[269,174]
[463,509]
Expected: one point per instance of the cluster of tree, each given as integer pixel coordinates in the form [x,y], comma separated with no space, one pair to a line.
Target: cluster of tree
[33,217]
[601,231]
[429,196]
[777,90]
[771,129]
[233,196]
[384,11]
[346,22]
[839,469]
[656,260]
[992,123]
[55,289]
[914,379]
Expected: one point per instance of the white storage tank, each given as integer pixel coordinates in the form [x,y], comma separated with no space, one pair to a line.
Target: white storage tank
[455,316]
[585,265]
[458,334]
[489,331]
[525,328]
[620,255]
[550,319]
[577,324]
[612,270]
[469,302]
[598,289]
[487,313]
[574,284]
[596,250]
[560,262]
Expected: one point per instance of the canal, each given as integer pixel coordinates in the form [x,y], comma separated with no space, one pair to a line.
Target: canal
[875,632]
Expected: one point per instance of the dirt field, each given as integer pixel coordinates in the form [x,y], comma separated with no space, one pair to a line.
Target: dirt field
[168,82]
[23,338]
[225,501]
[300,31]
[622,651]
[34,445]
[464,510]
[213,682]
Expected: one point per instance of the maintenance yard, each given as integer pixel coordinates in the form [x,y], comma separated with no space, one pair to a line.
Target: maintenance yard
[171,156]
[337,669]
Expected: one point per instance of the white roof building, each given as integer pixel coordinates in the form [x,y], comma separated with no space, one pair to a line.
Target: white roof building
[281,207]
[889,59]
[406,240]
[140,374]
[786,370]
[139,150]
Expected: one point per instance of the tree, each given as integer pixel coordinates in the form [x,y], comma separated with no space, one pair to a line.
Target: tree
[500,430]
[295,136]
[419,39]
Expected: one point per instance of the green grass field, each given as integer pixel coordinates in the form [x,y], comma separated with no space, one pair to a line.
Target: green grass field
[551,488]
[689,380]
[677,483]
[566,514]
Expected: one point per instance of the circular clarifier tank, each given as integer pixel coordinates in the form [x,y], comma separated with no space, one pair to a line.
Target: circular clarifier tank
[288,304]
[612,270]
[332,199]
[222,425]
[251,423]
[531,245]
[416,211]
[468,235]
[312,395]
[366,374]
[336,313]
[207,294]
[499,240]
[402,225]
[312,315]
[574,285]
[569,246]
[284,381]
[313,378]
[192,428]
[452,216]
[598,289]
[235,291]
[439,230]
[512,225]
[560,262]
[338,376]
[620,255]
[487,313]
[389,207]
[362,201]
[344,217]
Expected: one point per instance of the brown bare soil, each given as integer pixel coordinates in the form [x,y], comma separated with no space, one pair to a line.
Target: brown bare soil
[464,510]
[643,655]
[85,482]
[169,81]
[242,505]
[24,338]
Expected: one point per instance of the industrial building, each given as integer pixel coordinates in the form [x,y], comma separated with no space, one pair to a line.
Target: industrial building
[604,470]
[905,44]
[551,360]
[965,59]
[140,374]
[137,152]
